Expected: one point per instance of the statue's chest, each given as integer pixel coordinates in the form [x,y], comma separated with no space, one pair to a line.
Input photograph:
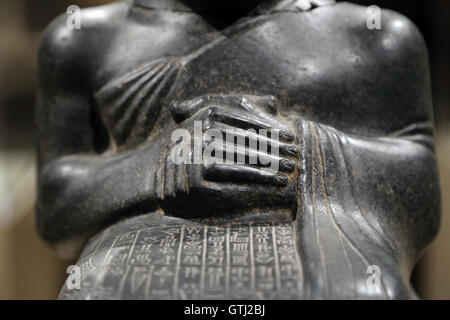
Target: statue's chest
[282,55]
[286,60]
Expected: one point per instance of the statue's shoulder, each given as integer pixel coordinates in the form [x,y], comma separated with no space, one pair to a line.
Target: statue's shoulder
[387,31]
[392,53]
[68,50]
[75,35]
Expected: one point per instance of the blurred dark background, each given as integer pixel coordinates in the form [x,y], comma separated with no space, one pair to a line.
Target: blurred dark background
[30,270]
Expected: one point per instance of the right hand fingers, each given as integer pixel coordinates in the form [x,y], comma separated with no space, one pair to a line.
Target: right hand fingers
[186,109]
[246,121]
[243,174]
[273,140]
[239,155]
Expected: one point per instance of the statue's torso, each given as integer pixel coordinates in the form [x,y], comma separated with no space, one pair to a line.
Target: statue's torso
[324,66]
[308,60]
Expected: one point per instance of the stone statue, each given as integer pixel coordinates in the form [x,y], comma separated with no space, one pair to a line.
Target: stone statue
[347,213]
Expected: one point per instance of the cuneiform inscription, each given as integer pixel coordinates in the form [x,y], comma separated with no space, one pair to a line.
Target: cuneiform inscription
[242,261]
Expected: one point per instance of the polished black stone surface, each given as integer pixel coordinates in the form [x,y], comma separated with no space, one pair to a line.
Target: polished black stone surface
[357,185]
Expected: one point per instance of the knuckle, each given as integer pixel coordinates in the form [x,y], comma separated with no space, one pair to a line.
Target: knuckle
[211,112]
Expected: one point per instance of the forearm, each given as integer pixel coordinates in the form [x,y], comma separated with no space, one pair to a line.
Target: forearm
[79,195]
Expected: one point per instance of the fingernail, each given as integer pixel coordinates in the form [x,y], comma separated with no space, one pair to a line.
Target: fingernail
[288,164]
[282,180]
[287,135]
[293,150]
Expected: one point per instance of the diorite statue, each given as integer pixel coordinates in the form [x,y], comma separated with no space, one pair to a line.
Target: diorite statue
[354,199]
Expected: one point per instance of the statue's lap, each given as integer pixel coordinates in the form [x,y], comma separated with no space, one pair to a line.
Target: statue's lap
[154,257]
